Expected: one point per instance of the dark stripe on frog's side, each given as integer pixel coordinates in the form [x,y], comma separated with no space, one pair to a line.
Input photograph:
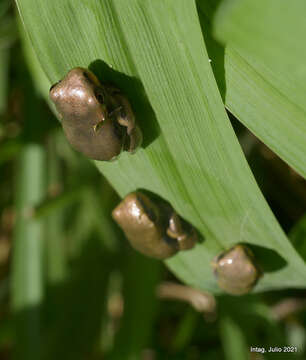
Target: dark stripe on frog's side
[149,211]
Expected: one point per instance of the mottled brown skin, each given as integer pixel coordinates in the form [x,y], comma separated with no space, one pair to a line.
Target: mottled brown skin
[146,224]
[97,120]
[236,270]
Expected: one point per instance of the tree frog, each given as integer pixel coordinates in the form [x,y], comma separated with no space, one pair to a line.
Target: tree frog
[153,228]
[236,270]
[97,119]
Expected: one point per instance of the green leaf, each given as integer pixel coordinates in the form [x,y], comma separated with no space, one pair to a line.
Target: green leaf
[28,235]
[56,258]
[7,32]
[233,340]
[264,70]
[298,236]
[185,330]
[27,282]
[154,51]
[27,264]
[140,306]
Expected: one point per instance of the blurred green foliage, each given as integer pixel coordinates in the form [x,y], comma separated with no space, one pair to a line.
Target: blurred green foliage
[70,285]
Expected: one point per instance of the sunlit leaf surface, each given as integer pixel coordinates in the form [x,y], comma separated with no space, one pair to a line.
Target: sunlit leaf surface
[154,51]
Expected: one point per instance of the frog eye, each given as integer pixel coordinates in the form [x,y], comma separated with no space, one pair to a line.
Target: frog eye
[89,76]
[100,96]
[85,74]
[53,86]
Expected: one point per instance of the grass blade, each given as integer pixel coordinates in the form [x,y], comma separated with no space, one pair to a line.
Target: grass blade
[234,343]
[55,251]
[191,156]
[262,70]
[140,306]
[27,267]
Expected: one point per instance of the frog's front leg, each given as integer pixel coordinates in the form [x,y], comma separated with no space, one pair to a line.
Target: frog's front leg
[124,112]
[186,239]
[124,115]
[175,226]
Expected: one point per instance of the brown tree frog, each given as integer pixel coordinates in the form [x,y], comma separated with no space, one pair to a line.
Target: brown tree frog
[236,270]
[97,119]
[153,228]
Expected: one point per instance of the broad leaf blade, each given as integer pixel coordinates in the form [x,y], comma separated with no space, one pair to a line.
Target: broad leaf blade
[263,69]
[191,156]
